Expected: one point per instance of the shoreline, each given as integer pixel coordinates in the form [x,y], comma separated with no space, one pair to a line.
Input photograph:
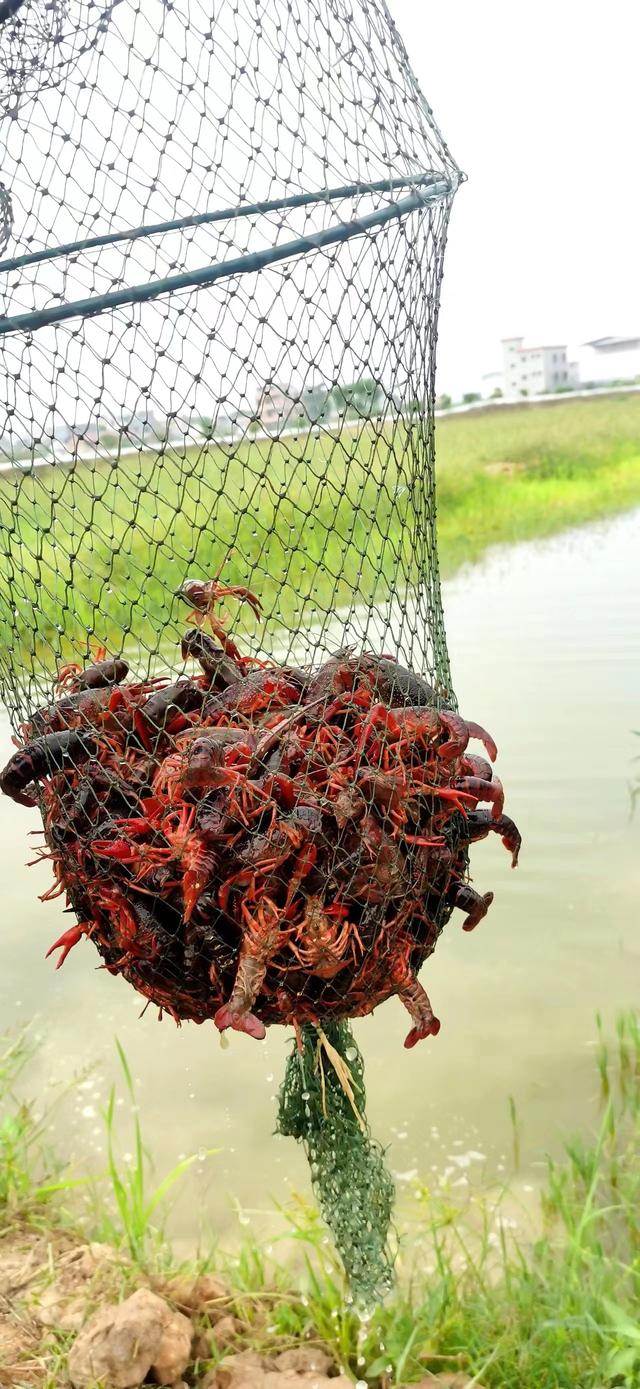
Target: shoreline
[338,523]
[504,477]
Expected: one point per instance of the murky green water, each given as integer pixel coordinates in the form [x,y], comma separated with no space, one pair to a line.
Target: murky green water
[545,651]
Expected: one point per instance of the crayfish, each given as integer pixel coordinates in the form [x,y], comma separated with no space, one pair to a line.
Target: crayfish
[254,843]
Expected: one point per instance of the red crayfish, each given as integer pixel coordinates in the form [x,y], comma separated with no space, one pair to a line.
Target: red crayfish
[257,843]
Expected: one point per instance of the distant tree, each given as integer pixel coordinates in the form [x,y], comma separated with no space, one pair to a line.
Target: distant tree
[166,429]
[470,397]
[213,429]
[497,393]
[443,402]
[109,439]
[316,402]
[298,417]
[369,397]
[359,399]
[337,400]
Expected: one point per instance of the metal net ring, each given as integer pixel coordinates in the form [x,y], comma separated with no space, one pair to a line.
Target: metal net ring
[6,217]
[41,39]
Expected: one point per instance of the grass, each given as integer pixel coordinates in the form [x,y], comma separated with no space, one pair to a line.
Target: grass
[100,548]
[565,465]
[135,1207]
[555,1312]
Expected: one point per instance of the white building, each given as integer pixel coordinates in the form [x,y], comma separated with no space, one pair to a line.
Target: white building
[607,360]
[277,410]
[535,370]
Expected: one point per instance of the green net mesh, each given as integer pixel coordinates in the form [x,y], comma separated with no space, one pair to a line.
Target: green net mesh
[223,229]
[323,1106]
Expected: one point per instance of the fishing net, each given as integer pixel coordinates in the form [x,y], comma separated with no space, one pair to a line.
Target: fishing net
[224,226]
[322,1104]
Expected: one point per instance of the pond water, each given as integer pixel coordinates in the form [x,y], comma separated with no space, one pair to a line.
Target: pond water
[545,653]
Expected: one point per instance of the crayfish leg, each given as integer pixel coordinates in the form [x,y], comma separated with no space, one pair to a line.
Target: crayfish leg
[484,790]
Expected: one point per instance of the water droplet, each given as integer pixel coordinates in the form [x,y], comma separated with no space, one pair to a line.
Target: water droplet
[202,1153]
[351,1053]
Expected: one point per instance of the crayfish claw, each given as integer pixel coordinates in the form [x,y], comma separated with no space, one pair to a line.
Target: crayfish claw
[477,731]
[467,900]
[458,730]
[484,790]
[66,942]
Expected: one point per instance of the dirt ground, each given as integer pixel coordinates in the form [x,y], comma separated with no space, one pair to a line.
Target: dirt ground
[80,1316]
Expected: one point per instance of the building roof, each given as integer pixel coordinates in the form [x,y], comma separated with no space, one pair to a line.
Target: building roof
[541,347]
[610,344]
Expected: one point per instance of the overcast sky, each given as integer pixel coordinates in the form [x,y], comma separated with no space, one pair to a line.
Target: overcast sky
[540,105]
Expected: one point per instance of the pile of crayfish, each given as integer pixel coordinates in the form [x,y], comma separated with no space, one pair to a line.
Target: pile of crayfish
[260,843]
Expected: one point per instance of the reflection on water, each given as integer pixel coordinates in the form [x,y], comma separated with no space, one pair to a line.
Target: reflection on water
[544,647]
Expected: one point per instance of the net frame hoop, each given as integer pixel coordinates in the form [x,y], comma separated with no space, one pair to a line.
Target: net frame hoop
[227,214]
[439,190]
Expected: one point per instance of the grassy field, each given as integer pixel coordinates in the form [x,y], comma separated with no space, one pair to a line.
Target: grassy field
[521,473]
[559,1311]
[101,548]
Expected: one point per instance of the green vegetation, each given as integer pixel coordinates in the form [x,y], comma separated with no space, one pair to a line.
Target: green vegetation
[101,547]
[557,1312]
[516,474]
[135,1207]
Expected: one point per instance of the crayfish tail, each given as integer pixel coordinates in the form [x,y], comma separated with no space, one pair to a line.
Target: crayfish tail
[237,1012]
[416,1001]
[240,1021]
